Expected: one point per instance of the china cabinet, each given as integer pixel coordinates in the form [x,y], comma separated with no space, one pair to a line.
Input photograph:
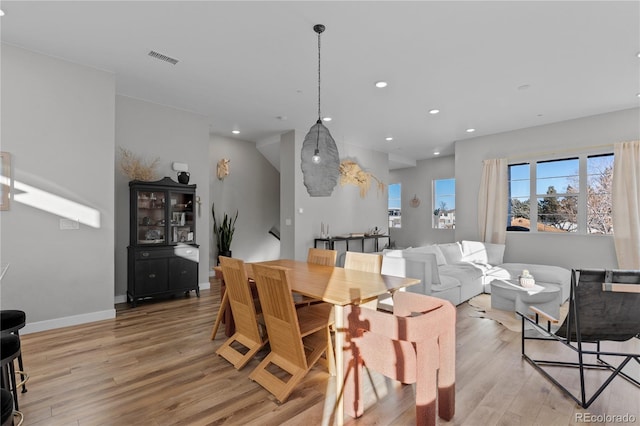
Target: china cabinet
[162,254]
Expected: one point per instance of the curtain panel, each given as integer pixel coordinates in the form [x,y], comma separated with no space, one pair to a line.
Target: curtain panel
[492,201]
[626,204]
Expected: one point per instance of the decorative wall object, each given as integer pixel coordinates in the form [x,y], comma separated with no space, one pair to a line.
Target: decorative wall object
[319,157]
[415,201]
[137,169]
[223,168]
[5,180]
[352,174]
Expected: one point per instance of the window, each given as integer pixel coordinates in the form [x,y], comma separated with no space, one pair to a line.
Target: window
[395,191]
[444,203]
[573,195]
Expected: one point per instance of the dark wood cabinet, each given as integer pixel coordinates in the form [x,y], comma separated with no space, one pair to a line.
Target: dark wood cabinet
[162,254]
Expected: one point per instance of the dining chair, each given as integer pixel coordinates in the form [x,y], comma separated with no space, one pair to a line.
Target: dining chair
[322,256]
[248,331]
[298,337]
[415,344]
[366,262]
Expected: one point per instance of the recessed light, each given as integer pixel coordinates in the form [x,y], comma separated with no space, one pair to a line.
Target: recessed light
[381,84]
[436,152]
[638,54]
[1,12]
[388,139]
[235,132]
[524,87]
[282,117]
[471,130]
[327,118]
[434,111]
[638,95]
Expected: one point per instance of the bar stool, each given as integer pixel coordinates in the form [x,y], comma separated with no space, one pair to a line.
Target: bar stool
[11,321]
[8,414]
[10,350]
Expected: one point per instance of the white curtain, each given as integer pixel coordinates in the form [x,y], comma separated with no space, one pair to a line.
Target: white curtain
[626,204]
[492,201]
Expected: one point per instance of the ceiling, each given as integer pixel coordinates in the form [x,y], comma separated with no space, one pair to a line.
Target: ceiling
[252,66]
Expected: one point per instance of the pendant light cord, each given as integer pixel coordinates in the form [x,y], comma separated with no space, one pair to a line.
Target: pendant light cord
[318,76]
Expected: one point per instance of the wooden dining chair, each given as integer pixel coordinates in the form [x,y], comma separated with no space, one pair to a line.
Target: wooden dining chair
[366,262]
[248,331]
[298,337]
[322,256]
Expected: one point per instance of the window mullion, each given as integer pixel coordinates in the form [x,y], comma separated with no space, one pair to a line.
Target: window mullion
[582,196]
[533,198]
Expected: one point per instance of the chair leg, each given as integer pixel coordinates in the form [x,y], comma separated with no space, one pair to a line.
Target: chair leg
[21,367]
[12,382]
[223,307]
[426,383]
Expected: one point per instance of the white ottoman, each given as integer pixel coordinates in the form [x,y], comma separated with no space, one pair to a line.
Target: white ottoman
[508,296]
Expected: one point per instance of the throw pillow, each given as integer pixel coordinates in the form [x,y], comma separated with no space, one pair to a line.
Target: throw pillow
[452,252]
[433,249]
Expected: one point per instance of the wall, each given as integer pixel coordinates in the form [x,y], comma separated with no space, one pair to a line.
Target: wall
[417,181]
[171,135]
[253,189]
[564,138]
[58,125]
[345,211]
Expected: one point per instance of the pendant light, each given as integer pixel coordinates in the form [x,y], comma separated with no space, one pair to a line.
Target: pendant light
[320,160]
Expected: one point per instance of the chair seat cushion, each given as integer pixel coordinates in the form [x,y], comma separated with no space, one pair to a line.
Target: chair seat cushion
[12,320]
[9,347]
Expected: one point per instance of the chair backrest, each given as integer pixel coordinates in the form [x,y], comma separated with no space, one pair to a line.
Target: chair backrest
[598,312]
[322,256]
[279,314]
[367,262]
[240,298]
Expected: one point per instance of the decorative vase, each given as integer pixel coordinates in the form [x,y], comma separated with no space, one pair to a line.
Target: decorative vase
[183,177]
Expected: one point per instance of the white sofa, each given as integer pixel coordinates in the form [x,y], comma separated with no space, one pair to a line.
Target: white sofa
[461,270]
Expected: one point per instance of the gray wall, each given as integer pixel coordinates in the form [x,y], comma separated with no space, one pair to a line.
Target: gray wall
[58,124]
[253,189]
[155,131]
[417,221]
[564,138]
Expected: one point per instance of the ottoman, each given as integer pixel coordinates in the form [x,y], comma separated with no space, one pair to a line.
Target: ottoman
[508,296]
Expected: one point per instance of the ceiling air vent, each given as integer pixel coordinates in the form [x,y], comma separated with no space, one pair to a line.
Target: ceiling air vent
[162,57]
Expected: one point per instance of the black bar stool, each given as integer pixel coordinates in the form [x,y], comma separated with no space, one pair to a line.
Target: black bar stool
[10,350]
[11,321]
[8,414]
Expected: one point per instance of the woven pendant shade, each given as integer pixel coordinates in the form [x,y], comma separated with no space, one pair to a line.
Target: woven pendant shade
[320,178]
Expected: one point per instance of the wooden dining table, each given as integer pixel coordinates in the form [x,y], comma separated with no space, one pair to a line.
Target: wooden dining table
[340,287]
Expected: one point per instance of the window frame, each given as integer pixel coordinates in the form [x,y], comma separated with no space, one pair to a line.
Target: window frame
[434,207]
[399,199]
[582,194]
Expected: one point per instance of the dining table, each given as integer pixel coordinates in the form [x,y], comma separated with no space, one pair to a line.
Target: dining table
[340,287]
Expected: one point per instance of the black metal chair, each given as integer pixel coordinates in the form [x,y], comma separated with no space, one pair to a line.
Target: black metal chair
[11,321]
[604,305]
[8,413]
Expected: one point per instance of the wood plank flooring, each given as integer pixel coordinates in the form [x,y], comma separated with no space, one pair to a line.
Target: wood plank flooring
[155,365]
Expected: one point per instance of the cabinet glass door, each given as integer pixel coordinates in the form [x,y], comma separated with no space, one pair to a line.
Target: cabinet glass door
[182,229]
[151,217]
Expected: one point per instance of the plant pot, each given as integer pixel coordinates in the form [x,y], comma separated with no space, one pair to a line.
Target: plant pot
[224,253]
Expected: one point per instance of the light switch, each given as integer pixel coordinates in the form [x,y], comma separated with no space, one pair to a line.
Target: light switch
[68,224]
[287,222]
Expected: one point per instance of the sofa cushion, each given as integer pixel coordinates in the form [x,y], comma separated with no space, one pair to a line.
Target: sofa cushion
[480,252]
[452,252]
[464,272]
[542,273]
[429,249]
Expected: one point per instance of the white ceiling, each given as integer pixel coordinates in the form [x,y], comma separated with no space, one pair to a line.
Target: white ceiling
[493,66]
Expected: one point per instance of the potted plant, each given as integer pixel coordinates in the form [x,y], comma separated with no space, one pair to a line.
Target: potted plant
[224,232]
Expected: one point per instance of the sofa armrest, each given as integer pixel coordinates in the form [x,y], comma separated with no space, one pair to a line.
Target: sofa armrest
[422,266]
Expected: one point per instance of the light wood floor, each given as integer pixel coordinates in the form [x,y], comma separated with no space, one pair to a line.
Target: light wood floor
[155,365]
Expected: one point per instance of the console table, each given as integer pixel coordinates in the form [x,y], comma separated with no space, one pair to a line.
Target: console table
[330,242]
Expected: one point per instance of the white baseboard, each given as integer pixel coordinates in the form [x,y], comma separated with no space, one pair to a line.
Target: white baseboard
[34,327]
